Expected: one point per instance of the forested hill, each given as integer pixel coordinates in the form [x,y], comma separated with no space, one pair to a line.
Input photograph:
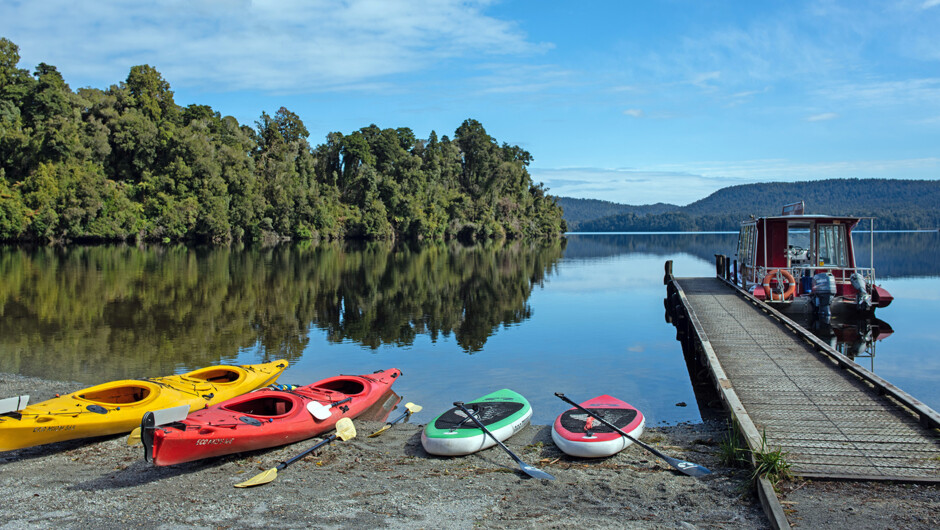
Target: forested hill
[578,210]
[129,163]
[897,205]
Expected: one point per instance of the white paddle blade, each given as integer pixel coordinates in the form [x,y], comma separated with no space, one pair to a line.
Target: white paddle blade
[345,430]
[318,410]
[13,404]
[412,408]
[170,415]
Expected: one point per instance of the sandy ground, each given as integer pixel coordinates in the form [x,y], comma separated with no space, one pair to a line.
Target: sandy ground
[389,481]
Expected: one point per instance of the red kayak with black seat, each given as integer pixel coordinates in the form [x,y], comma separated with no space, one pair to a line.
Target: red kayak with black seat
[268,417]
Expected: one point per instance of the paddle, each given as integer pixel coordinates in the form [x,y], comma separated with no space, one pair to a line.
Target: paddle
[13,404]
[158,417]
[322,412]
[410,408]
[532,471]
[688,468]
[345,430]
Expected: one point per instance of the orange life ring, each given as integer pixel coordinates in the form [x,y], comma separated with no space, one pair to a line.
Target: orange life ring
[791,285]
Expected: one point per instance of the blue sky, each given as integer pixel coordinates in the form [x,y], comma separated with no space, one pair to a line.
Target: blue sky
[628,101]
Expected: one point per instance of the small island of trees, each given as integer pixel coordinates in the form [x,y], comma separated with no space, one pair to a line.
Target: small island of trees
[128,163]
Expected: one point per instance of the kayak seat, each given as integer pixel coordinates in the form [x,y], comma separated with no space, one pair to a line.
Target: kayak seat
[263,406]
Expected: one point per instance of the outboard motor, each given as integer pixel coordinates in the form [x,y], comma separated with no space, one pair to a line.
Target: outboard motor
[862,298]
[824,291]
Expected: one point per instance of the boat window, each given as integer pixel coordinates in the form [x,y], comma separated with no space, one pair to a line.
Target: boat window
[832,245]
[799,244]
[746,244]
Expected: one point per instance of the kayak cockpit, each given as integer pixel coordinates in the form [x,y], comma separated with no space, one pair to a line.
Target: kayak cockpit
[263,406]
[216,374]
[117,395]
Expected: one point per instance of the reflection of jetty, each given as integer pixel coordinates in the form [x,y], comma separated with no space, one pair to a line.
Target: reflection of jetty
[833,418]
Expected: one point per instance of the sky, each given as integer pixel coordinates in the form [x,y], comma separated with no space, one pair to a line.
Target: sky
[629,101]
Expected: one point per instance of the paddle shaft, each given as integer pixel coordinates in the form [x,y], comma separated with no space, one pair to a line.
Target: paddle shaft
[688,468]
[530,470]
[399,418]
[320,444]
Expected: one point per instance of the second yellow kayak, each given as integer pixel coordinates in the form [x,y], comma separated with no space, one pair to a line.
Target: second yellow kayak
[118,406]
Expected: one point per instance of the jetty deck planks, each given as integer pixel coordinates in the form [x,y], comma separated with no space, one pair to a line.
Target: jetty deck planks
[831,422]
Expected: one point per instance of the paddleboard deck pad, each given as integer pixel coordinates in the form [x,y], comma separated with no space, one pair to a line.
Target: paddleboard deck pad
[578,434]
[453,433]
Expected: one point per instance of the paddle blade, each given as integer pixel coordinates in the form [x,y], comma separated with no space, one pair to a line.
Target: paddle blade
[134,437]
[412,408]
[13,404]
[170,415]
[261,478]
[318,410]
[535,472]
[689,468]
[384,428]
[345,430]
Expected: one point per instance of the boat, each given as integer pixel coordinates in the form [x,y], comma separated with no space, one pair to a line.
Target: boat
[807,261]
[117,407]
[268,417]
[453,433]
[579,434]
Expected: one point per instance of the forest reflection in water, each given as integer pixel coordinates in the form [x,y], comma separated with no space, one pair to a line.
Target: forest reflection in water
[93,313]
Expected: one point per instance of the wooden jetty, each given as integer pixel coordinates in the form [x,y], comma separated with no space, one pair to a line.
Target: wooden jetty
[788,390]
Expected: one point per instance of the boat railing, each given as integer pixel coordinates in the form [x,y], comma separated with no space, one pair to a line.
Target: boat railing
[732,271]
[845,273]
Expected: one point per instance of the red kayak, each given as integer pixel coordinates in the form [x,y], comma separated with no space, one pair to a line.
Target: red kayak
[265,418]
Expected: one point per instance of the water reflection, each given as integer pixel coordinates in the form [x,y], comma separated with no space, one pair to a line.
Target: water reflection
[107,312]
[856,339]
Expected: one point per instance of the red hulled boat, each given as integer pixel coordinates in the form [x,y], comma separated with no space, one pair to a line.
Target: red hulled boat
[795,257]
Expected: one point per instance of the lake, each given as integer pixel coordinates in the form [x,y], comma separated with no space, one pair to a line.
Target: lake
[583,316]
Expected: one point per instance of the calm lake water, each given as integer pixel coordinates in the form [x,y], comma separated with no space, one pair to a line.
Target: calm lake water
[583,316]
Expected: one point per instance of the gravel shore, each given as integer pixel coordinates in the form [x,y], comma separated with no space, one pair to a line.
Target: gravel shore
[389,481]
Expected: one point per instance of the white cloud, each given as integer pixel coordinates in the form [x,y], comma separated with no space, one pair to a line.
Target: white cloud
[636,113]
[924,91]
[262,44]
[825,116]
[629,186]
[930,3]
[702,80]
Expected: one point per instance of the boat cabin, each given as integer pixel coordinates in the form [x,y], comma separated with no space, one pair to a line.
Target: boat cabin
[779,257]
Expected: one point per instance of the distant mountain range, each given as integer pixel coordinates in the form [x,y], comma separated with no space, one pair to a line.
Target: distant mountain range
[896,205]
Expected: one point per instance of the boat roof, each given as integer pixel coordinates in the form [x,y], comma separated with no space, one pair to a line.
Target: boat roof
[807,217]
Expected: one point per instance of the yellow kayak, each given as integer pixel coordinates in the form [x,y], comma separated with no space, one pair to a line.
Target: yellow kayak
[118,406]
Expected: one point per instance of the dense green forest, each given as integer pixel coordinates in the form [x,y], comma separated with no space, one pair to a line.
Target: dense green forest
[896,205]
[129,163]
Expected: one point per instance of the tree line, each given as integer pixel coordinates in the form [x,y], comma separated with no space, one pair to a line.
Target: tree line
[128,163]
